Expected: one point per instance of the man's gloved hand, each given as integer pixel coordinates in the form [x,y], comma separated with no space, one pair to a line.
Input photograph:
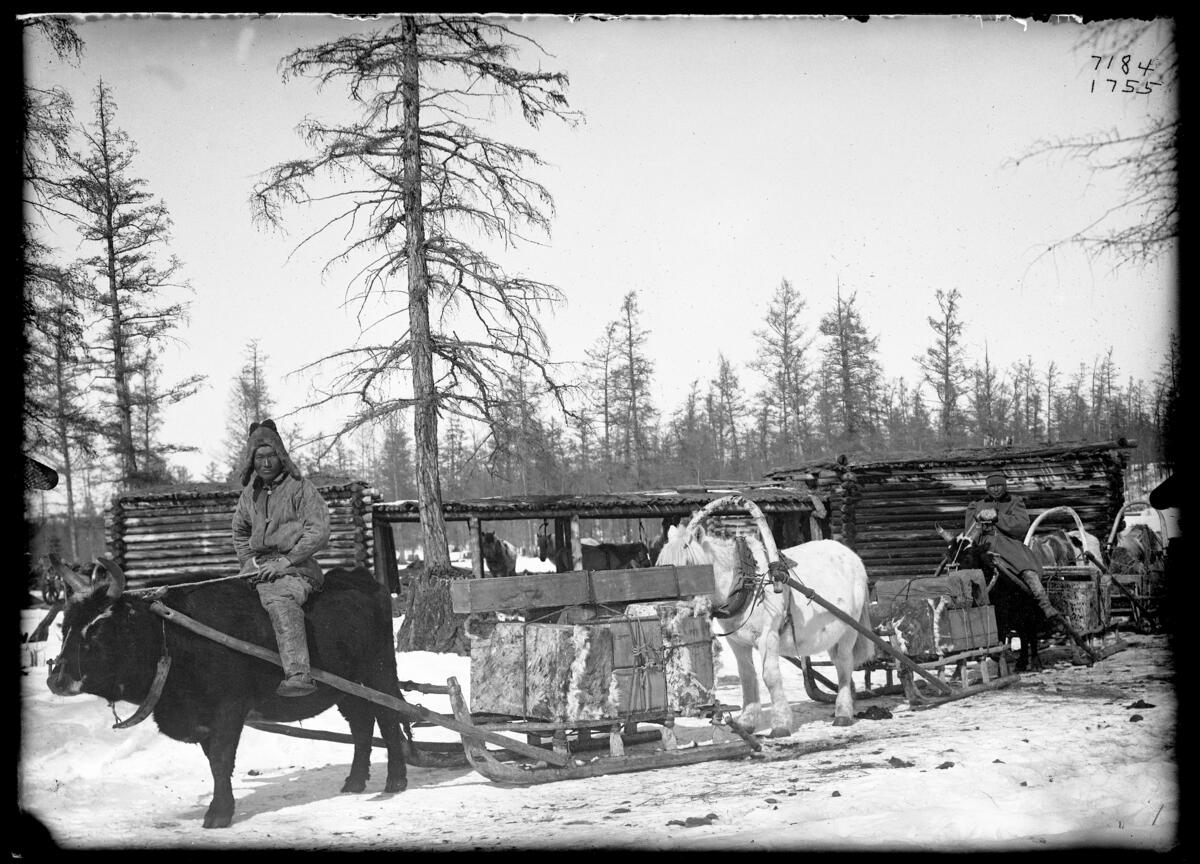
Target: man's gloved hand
[269,571]
[986,515]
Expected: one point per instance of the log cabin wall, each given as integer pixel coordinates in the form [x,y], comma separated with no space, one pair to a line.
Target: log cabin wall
[887,511]
[184,533]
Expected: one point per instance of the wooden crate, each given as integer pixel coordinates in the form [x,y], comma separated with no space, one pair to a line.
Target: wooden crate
[961,588]
[687,651]
[928,628]
[591,671]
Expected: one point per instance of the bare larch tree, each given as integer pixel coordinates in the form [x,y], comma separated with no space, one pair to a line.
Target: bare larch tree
[115,215]
[413,181]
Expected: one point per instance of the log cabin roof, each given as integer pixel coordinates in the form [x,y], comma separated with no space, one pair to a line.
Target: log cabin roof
[185,491]
[682,500]
[966,457]
[889,507]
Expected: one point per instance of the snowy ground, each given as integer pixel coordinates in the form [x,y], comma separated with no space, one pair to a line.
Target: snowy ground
[1059,760]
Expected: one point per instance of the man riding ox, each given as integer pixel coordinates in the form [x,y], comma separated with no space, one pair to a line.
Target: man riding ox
[280,523]
[1004,521]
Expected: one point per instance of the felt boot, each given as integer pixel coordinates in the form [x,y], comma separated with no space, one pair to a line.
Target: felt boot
[1076,637]
[288,621]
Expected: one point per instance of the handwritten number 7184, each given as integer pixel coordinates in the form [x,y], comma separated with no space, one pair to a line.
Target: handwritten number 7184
[1142,87]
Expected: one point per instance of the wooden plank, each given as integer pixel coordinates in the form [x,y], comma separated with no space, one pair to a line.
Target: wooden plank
[578,587]
[387,571]
[518,592]
[652,583]
[210,537]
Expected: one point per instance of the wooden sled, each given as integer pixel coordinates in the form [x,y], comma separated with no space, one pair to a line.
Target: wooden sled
[617,761]
[962,674]
[540,764]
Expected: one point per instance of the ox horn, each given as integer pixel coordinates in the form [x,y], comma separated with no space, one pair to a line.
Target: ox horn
[116,576]
[74,581]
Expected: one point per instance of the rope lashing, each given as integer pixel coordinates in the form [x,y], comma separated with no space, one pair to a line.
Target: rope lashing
[778,571]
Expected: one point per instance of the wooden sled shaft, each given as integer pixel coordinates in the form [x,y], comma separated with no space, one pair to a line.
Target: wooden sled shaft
[901,658]
[933,701]
[406,709]
[440,754]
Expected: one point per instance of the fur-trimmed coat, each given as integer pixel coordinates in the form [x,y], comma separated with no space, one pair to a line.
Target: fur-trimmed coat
[288,517]
[1006,540]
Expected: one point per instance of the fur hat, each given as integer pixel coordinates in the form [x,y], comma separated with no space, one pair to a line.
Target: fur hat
[996,477]
[265,433]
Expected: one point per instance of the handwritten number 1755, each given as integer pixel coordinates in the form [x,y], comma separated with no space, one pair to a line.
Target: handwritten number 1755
[1131,86]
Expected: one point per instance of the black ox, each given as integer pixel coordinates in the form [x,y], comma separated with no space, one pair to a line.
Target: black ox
[1016,610]
[112,644]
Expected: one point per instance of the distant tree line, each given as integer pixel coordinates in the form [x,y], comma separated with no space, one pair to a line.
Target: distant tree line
[824,394]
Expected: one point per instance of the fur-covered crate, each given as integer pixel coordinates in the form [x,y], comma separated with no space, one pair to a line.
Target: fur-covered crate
[931,628]
[960,588]
[601,669]
[687,651]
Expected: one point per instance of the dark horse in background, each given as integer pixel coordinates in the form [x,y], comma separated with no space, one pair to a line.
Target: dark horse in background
[499,555]
[596,556]
[1016,610]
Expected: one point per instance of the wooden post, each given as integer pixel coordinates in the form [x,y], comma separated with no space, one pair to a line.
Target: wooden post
[562,538]
[668,734]
[616,746]
[560,741]
[576,547]
[387,573]
[475,539]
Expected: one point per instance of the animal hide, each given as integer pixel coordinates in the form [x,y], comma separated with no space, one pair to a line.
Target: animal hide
[598,670]
[687,651]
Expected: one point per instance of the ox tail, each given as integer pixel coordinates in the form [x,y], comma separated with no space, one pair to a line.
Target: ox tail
[864,648]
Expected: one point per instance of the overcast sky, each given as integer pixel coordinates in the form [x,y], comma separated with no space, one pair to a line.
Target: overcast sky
[717,158]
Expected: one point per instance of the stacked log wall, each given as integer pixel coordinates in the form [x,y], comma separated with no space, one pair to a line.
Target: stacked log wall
[889,512]
[169,538]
